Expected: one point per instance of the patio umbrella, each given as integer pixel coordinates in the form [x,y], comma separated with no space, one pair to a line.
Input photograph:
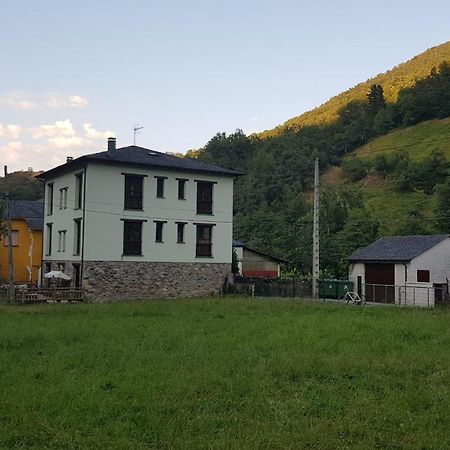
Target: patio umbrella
[57,274]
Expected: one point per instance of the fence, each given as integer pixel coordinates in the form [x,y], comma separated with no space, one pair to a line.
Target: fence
[257,287]
[406,295]
[42,295]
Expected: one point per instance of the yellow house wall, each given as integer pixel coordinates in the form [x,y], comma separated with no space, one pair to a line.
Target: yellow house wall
[27,255]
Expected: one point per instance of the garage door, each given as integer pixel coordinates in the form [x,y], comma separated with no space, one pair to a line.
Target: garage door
[380,279]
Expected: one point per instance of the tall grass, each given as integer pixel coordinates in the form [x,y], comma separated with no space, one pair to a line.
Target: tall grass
[227,373]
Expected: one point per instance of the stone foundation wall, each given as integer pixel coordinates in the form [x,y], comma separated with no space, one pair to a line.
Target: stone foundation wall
[120,280]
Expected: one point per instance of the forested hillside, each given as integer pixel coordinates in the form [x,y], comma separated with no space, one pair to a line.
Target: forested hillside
[400,77]
[22,186]
[272,199]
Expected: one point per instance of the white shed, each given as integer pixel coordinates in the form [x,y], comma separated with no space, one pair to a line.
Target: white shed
[407,270]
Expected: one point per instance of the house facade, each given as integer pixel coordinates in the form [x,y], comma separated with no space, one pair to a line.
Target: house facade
[407,270]
[135,223]
[255,264]
[26,225]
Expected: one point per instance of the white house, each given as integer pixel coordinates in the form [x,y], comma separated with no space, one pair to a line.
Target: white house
[136,223]
[411,270]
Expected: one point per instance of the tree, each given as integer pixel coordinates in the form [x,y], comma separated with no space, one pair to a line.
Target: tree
[376,98]
[442,210]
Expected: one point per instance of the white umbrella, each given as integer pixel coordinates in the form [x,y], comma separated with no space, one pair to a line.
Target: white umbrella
[57,274]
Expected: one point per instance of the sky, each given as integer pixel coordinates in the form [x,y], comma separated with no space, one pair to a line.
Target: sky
[74,73]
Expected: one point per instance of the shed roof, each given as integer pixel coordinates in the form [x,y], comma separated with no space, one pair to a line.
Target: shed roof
[142,157]
[397,249]
[237,243]
[31,211]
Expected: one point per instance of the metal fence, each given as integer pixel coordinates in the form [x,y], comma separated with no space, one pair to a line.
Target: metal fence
[272,288]
[406,295]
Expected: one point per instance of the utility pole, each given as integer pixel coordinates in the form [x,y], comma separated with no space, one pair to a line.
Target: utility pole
[316,228]
[10,250]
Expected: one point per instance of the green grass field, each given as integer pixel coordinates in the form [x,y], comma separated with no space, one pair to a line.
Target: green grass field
[224,374]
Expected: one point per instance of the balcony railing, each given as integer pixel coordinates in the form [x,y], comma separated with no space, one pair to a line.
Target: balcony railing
[203,249]
[204,207]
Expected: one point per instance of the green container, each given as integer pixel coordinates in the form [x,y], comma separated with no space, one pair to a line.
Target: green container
[334,288]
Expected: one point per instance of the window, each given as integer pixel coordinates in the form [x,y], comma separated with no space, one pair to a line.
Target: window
[159,230]
[49,239]
[160,187]
[180,232]
[63,198]
[78,191]
[181,188]
[77,237]
[49,199]
[62,241]
[76,275]
[132,237]
[61,266]
[423,276]
[204,240]
[204,197]
[134,185]
[14,239]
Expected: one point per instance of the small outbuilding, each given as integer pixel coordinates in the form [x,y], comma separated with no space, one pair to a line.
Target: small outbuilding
[256,264]
[413,270]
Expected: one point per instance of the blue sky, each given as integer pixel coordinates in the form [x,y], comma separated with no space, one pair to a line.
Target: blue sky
[73,73]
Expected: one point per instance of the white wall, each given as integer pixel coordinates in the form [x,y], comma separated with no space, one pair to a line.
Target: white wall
[62,219]
[105,209]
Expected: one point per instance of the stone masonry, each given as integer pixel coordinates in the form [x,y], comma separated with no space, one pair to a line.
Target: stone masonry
[121,280]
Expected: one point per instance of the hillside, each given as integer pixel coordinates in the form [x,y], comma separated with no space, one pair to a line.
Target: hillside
[402,76]
[22,185]
[389,206]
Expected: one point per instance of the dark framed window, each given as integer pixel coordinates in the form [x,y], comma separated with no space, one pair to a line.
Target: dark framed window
[182,188]
[160,186]
[134,187]
[204,197]
[180,232]
[423,276]
[159,230]
[49,228]
[132,237]
[78,190]
[203,246]
[76,236]
[49,199]
[76,275]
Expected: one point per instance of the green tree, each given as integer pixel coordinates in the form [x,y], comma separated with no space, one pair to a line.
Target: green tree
[442,209]
[376,98]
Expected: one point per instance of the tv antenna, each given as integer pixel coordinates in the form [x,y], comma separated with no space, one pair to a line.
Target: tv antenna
[135,130]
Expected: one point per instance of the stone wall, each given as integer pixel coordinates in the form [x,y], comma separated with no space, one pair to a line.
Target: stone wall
[119,280]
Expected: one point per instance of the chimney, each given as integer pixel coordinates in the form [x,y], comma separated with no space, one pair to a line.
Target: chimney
[5,169]
[69,158]
[111,144]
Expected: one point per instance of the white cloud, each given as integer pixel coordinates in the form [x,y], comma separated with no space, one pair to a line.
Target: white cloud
[11,152]
[56,129]
[10,131]
[56,100]
[92,133]
[18,100]
[76,101]
[68,141]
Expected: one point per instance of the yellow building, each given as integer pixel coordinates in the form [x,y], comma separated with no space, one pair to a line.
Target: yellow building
[27,223]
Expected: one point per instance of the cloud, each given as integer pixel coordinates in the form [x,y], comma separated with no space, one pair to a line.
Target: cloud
[56,100]
[92,133]
[10,131]
[76,101]
[68,141]
[18,100]
[11,152]
[59,128]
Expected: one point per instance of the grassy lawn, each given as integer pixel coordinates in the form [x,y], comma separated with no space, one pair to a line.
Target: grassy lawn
[225,374]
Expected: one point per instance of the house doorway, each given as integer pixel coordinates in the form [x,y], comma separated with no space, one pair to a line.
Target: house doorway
[76,275]
[380,281]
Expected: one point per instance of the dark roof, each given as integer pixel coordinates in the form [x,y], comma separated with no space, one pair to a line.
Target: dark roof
[31,211]
[399,248]
[237,243]
[142,157]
